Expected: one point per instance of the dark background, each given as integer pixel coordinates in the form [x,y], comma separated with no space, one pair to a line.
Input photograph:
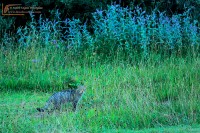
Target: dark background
[82,9]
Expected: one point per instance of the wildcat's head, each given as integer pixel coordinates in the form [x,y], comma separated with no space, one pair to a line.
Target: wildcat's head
[81,89]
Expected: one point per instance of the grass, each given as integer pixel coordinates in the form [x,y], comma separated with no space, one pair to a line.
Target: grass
[21,115]
[18,114]
[154,95]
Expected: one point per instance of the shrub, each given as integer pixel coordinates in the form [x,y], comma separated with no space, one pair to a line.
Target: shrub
[115,29]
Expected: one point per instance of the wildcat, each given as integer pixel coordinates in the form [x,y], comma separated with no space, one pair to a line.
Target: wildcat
[60,98]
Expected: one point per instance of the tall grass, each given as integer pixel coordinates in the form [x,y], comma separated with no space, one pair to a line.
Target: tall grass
[34,68]
[119,95]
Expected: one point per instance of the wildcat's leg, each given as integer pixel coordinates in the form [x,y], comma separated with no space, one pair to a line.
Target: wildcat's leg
[74,105]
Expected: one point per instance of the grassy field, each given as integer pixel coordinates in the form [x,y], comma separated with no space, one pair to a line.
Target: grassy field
[153,95]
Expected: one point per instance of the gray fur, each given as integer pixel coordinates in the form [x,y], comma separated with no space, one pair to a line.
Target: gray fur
[62,97]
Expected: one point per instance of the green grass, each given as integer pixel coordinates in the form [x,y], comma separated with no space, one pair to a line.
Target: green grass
[154,95]
[18,114]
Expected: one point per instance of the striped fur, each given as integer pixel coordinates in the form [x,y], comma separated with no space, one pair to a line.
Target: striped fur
[58,99]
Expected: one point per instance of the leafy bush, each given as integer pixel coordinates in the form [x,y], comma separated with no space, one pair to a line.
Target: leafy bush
[115,29]
[121,27]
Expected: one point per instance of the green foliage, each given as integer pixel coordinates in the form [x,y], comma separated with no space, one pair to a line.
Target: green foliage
[35,69]
[133,81]
[116,29]
[6,23]
[5,26]
[119,95]
[177,6]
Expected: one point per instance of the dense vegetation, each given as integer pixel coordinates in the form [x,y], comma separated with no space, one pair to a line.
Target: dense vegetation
[119,95]
[141,71]
[83,9]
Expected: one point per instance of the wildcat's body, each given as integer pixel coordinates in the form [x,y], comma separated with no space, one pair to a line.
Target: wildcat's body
[60,98]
